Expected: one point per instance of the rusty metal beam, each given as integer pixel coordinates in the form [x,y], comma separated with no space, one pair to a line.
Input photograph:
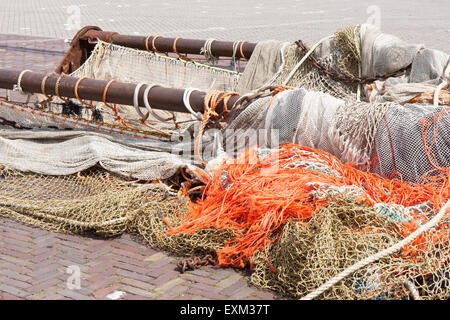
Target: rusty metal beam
[83,43]
[163,98]
[189,46]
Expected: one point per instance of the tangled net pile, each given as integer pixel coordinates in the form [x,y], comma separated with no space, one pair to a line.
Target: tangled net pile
[95,202]
[328,216]
[351,203]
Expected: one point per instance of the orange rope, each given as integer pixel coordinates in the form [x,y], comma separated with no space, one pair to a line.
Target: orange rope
[105,91]
[153,42]
[90,105]
[255,196]
[241,51]
[212,99]
[278,90]
[154,46]
[146,42]
[444,96]
[435,119]
[101,126]
[176,51]
[119,118]
[428,97]
[43,82]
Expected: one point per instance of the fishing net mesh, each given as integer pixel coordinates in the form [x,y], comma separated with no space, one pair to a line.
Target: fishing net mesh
[319,225]
[93,200]
[301,253]
[98,202]
[358,122]
[420,128]
[341,54]
[348,43]
[339,236]
[110,61]
[160,217]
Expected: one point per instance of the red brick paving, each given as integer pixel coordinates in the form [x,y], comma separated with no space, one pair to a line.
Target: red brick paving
[42,274]
[39,54]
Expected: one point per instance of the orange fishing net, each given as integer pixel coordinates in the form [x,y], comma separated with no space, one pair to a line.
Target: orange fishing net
[256,194]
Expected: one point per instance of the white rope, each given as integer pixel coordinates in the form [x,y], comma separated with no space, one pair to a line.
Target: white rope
[147,103]
[136,95]
[18,86]
[443,84]
[186,96]
[283,62]
[355,35]
[300,63]
[206,50]
[412,289]
[233,56]
[384,253]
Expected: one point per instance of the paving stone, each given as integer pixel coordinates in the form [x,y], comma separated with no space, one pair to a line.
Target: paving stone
[241,294]
[138,291]
[155,257]
[173,293]
[103,282]
[15,283]
[73,294]
[284,20]
[14,275]
[7,296]
[165,277]
[138,284]
[234,288]
[229,280]
[46,277]
[12,290]
[133,275]
[43,285]
[101,293]
[206,294]
[196,278]
[168,285]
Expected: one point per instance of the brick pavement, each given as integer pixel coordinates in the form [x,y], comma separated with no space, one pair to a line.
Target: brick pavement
[41,54]
[37,264]
[413,20]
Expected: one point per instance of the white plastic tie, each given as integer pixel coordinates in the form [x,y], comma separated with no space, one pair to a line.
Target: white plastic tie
[147,103]
[186,96]
[443,84]
[136,96]
[18,86]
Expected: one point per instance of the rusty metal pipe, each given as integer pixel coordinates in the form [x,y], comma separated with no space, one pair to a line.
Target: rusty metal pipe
[83,43]
[189,46]
[163,98]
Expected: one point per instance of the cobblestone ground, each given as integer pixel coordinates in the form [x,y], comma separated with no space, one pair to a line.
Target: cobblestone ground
[416,21]
[34,262]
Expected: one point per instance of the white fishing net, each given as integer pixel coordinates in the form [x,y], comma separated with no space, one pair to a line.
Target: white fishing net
[412,141]
[109,61]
